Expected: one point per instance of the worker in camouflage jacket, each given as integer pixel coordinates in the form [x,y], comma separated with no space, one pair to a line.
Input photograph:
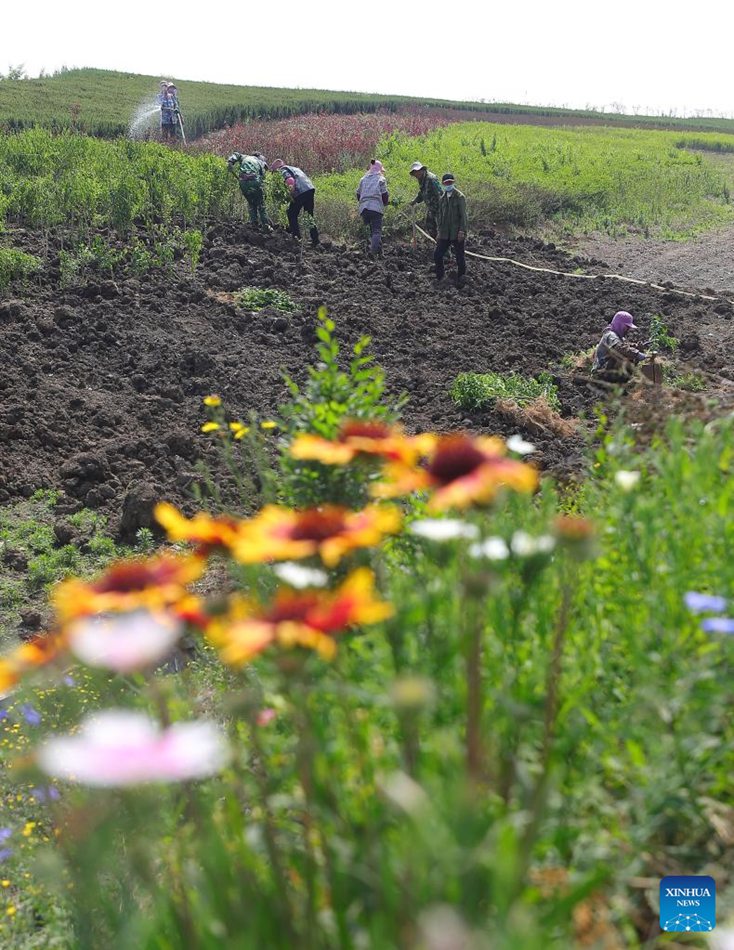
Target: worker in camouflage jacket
[429,192]
[452,227]
[250,171]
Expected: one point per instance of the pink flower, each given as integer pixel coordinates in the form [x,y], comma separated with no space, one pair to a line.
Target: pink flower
[124,642]
[266,716]
[120,747]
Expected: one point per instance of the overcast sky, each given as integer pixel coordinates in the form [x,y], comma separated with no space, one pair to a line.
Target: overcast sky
[638,53]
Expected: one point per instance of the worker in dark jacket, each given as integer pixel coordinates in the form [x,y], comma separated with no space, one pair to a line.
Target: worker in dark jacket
[429,192]
[614,359]
[372,196]
[250,171]
[451,228]
[303,192]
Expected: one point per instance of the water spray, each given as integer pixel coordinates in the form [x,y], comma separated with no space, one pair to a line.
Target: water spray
[141,124]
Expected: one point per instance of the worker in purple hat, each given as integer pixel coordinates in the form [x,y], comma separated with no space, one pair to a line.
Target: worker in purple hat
[614,357]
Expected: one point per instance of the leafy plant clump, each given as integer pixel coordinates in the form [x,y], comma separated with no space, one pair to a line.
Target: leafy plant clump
[331,396]
[660,336]
[258,298]
[16,265]
[693,381]
[472,391]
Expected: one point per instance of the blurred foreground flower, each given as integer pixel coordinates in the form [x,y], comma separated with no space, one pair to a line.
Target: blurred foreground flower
[519,446]
[279,534]
[461,471]
[124,642]
[443,529]
[297,619]
[38,652]
[493,549]
[626,480]
[298,576]
[718,625]
[206,532]
[525,545]
[120,747]
[358,437]
[128,585]
[700,603]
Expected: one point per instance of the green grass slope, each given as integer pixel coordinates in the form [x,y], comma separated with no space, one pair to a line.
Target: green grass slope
[102,102]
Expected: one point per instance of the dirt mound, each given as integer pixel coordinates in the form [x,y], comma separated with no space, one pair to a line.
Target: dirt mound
[102,383]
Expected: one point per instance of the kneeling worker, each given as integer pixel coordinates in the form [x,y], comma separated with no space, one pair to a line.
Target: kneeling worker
[614,360]
[452,228]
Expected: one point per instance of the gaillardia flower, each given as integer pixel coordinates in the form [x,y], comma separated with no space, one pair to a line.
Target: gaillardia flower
[149,583]
[359,437]
[279,534]
[38,652]
[204,531]
[308,618]
[460,471]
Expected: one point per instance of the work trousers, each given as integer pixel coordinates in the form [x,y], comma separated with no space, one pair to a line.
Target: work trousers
[442,246]
[303,202]
[255,198]
[373,220]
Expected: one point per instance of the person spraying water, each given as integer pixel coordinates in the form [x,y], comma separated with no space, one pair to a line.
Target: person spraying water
[171,121]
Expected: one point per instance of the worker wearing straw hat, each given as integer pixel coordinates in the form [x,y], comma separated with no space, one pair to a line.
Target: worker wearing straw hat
[429,191]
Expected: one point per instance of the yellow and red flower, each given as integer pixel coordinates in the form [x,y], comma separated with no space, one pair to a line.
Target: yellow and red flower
[150,583]
[359,437]
[36,653]
[204,531]
[460,471]
[308,619]
[279,534]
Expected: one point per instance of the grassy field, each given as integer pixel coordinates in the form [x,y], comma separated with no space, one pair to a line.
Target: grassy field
[581,179]
[534,730]
[102,102]
[613,180]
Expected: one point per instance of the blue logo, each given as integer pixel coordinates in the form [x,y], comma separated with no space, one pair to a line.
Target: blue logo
[687,903]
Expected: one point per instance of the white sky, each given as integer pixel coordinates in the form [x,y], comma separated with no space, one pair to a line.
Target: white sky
[653,55]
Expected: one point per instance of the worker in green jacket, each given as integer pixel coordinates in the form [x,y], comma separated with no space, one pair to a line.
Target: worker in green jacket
[250,171]
[452,228]
[429,192]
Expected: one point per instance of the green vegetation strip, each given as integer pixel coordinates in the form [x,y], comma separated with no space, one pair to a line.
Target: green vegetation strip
[473,391]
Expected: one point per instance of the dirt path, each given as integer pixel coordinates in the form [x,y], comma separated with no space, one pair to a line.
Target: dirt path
[705,263]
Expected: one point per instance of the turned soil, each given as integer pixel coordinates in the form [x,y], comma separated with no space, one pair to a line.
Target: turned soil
[102,385]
